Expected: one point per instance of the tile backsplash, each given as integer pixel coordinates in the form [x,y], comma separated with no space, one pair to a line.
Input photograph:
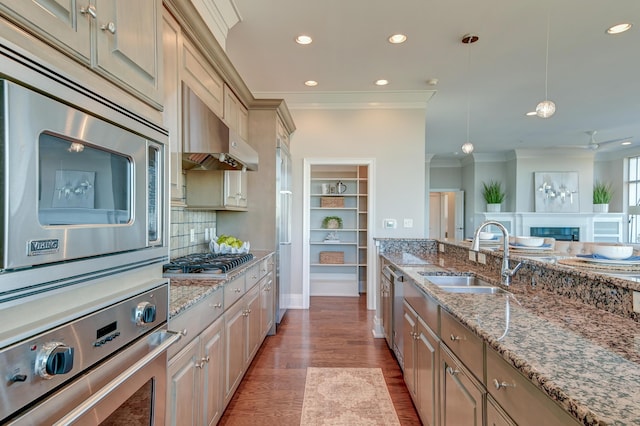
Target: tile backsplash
[182,221]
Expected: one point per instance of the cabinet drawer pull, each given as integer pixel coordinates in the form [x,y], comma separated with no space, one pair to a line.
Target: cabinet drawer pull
[499,385]
[454,338]
[237,290]
[217,305]
[111,27]
[199,364]
[206,359]
[452,372]
[89,10]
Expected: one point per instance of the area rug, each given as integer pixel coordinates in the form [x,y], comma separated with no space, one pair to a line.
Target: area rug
[347,396]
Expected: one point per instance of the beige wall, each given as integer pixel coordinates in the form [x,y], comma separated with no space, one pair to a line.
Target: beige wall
[393,138]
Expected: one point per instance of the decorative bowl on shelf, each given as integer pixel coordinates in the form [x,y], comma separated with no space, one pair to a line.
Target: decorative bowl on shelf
[529,241]
[613,252]
[486,235]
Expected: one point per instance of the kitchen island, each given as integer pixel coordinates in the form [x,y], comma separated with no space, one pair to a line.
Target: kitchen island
[552,328]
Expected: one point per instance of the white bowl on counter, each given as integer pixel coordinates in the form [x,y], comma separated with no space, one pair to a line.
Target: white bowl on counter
[530,241]
[486,235]
[613,252]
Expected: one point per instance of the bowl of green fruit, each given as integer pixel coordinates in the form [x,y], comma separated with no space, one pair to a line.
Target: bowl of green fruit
[228,244]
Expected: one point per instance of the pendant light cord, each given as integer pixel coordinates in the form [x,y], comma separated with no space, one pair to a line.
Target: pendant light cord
[546,65]
[468,86]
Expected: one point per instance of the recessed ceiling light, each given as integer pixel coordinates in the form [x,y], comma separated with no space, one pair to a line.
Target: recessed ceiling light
[626,143]
[397,38]
[619,28]
[531,114]
[382,82]
[304,39]
[310,83]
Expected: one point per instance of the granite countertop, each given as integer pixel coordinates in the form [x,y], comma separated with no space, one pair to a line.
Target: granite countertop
[186,292]
[586,359]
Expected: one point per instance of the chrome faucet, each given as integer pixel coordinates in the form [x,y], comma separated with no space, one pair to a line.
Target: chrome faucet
[506,273]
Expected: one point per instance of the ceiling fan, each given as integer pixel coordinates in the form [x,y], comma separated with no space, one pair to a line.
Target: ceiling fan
[593,145]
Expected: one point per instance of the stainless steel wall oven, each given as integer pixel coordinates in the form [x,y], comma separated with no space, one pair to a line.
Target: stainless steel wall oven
[83,237]
[75,186]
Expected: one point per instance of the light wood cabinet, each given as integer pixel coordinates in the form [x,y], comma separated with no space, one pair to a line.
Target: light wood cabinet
[524,403]
[421,360]
[267,304]
[236,114]
[217,189]
[461,396]
[496,415]
[195,380]
[171,115]
[242,338]
[184,386]
[118,39]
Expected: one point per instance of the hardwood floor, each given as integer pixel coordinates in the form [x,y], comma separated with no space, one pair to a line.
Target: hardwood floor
[334,332]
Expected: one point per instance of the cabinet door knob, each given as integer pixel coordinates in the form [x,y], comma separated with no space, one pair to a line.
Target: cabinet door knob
[454,338]
[452,372]
[217,305]
[110,26]
[500,385]
[237,290]
[89,10]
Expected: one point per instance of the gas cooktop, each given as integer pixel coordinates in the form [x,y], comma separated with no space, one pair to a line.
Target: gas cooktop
[205,265]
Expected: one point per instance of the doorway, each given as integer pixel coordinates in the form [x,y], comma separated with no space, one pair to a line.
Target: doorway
[446,215]
[338,250]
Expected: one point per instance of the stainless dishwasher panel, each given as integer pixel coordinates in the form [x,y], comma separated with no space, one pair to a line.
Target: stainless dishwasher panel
[398,320]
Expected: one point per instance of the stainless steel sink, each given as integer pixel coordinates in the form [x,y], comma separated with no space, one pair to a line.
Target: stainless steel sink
[464,284]
[455,280]
[474,289]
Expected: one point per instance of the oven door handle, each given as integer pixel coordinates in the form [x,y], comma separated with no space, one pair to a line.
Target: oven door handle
[94,399]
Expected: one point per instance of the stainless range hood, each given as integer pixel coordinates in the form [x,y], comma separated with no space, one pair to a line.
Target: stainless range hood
[207,142]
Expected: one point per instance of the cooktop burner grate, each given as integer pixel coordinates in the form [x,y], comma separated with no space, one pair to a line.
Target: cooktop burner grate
[206,263]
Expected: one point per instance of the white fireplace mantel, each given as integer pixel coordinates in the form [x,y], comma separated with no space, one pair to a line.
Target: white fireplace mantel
[598,227]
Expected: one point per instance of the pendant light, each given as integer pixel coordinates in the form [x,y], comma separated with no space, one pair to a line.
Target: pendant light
[468,39]
[546,108]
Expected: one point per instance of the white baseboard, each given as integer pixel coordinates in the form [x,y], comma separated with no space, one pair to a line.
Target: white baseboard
[378,331]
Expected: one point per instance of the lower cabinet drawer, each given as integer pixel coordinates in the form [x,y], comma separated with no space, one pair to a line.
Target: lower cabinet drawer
[463,343]
[233,290]
[525,404]
[195,319]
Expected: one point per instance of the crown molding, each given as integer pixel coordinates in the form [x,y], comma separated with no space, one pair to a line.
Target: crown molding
[402,99]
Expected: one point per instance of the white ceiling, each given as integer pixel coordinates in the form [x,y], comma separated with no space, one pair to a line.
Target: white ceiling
[594,78]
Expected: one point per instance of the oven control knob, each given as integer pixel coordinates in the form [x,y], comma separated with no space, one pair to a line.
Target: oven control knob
[54,358]
[145,313]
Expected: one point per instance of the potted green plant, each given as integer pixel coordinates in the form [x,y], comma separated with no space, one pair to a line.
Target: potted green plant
[602,193]
[493,195]
[332,222]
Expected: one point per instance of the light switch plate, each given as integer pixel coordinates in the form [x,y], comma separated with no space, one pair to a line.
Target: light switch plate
[482,258]
[408,223]
[472,255]
[192,235]
[441,248]
[390,223]
[636,301]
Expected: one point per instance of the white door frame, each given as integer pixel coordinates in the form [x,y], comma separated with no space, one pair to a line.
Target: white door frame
[306,232]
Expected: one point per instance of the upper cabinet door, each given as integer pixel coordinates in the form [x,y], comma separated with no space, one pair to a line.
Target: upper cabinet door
[128,44]
[65,22]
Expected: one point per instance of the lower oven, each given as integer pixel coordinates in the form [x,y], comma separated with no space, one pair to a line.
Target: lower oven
[108,367]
